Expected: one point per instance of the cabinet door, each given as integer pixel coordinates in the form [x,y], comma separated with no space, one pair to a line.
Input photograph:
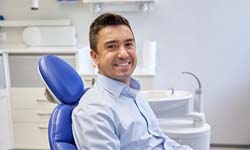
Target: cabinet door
[5,138]
[31,135]
[29,98]
[23,69]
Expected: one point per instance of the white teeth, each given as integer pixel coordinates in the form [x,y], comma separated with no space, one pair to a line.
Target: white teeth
[123,64]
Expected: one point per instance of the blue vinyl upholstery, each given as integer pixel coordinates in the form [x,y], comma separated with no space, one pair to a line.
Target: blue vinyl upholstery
[64,84]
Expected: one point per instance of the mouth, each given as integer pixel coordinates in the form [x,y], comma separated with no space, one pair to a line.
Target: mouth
[122,64]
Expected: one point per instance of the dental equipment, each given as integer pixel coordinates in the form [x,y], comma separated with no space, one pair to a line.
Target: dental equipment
[198,107]
[198,115]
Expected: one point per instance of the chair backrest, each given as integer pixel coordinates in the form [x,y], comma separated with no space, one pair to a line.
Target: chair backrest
[66,86]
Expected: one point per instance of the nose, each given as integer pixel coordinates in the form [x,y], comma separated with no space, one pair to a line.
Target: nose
[122,53]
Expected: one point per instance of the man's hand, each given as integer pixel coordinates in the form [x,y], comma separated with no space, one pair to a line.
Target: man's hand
[49,97]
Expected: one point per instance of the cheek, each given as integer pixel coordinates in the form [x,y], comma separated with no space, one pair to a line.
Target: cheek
[105,60]
[133,55]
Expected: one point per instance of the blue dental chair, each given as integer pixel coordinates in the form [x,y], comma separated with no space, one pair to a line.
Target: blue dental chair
[66,87]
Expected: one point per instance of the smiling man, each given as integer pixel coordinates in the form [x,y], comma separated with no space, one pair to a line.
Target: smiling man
[113,115]
[115,55]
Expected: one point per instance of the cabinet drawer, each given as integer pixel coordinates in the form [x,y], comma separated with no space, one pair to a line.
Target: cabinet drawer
[29,98]
[39,116]
[32,136]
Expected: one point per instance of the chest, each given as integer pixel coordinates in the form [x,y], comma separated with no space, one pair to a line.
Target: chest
[135,116]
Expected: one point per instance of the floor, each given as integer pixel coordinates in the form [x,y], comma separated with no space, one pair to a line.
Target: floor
[221,148]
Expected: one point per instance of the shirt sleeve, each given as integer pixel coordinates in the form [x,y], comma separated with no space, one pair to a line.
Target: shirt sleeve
[170,144]
[93,128]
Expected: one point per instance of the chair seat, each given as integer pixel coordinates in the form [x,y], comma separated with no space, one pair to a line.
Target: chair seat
[60,133]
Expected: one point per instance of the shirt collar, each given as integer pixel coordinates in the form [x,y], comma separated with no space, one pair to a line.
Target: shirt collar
[118,88]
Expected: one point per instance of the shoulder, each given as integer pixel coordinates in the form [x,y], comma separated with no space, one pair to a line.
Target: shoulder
[95,95]
[94,102]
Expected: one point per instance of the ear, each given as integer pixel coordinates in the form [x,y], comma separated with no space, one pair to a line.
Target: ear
[94,56]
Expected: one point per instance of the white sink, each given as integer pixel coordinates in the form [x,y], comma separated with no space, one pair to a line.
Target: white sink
[166,95]
[166,104]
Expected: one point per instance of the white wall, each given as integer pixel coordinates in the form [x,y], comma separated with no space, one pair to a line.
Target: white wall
[208,37]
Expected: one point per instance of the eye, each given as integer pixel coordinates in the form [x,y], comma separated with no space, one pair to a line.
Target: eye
[111,47]
[129,45]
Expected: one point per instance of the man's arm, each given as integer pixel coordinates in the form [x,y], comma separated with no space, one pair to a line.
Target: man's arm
[94,129]
[174,145]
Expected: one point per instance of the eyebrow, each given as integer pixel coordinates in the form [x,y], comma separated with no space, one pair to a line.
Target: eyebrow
[115,41]
[110,42]
[130,40]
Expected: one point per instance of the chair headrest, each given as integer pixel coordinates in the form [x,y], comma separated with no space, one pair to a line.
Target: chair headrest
[61,79]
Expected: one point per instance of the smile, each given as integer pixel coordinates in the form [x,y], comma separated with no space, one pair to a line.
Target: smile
[123,64]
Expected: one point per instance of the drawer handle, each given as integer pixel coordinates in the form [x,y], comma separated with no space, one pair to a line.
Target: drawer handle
[43,114]
[43,128]
[41,100]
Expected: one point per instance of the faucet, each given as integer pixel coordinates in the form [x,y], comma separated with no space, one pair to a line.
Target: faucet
[197,79]
[198,106]
[171,91]
[198,115]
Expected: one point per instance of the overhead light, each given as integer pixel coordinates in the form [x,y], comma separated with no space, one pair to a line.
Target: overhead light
[34,4]
[97,6]
[144,7]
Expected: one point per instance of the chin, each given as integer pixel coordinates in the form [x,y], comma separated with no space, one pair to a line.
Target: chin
[122,77]
[125,74]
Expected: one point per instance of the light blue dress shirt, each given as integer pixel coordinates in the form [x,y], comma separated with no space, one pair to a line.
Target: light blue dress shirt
[115,116]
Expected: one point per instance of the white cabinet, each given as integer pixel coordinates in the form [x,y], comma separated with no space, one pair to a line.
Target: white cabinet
[27,107]
[2,80]
[5,142]
[5,116]
[30,109]
[30,115]
[23,69]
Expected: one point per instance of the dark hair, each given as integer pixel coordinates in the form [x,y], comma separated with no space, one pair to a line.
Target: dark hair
[102,21]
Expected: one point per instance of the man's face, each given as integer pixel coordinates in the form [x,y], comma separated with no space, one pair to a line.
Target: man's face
[116,52]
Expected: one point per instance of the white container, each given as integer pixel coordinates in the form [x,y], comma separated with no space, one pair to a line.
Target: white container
[149,54]
[183,132]
[85,61]
[50,36]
